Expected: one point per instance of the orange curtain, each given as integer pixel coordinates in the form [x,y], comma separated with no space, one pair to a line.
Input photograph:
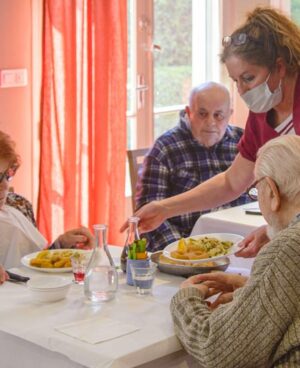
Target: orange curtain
[83,122]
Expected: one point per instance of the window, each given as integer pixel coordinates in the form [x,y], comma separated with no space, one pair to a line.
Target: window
[173,45]
[295,10]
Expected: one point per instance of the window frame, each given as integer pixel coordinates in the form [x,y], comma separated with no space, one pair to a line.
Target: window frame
[205,64]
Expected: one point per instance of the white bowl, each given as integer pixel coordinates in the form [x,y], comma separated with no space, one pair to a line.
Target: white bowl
[48,289]
[48,282]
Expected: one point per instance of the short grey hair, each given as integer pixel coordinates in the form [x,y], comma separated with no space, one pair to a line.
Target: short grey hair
[279,159]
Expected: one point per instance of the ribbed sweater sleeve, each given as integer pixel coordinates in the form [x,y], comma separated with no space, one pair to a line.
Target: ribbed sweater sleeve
[260,325]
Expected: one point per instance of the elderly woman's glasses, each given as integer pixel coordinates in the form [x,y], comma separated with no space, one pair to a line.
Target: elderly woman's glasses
[252,191]
[238,40]
[8,174]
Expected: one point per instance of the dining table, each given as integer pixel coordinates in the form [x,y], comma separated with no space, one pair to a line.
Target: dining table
[238,220]
[35,334]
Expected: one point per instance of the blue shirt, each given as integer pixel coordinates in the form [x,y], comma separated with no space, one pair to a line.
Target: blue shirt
[176,163]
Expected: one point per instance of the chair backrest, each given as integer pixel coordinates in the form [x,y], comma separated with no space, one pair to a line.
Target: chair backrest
[135,160]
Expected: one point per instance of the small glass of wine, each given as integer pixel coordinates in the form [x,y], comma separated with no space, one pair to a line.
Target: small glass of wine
[79,264]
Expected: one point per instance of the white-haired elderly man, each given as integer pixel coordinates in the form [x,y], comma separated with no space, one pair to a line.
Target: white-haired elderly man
[256,321]
[203,144]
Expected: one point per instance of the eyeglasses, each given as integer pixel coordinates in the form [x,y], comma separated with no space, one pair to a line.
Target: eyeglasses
[252,191]
[8,174]
[238,40]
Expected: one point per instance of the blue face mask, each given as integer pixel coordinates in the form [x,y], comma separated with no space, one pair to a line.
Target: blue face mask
[261,99]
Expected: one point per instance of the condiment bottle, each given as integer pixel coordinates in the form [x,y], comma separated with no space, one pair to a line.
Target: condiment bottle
[132,235]
[101,278]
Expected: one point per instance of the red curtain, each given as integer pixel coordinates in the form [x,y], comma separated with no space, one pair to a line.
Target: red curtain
[83,122]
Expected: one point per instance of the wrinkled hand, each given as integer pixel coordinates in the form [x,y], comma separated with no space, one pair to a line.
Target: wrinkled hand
[151,216]
[223,284]
[221,281]
[214,283]
[3,275]
[81,238]
[223,298]
[193,281]
[253,242]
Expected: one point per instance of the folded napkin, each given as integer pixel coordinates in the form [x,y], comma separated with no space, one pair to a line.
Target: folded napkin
[96,330]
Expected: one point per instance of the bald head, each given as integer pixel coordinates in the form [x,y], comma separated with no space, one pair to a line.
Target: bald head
[219,91]
[209,111]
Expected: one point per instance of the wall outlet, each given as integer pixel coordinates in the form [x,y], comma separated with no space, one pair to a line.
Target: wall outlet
[13,78]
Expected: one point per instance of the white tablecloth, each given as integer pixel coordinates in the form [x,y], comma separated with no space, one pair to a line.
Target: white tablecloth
[232,220]
[28,338]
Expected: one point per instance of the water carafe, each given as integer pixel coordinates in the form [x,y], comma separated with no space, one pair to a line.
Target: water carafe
[101,279]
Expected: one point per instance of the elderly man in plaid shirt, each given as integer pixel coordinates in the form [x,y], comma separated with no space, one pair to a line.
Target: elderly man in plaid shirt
[202,145]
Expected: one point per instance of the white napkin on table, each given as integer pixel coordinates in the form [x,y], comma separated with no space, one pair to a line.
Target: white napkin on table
[96,330]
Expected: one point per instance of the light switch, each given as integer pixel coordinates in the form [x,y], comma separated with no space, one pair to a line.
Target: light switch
[13,78]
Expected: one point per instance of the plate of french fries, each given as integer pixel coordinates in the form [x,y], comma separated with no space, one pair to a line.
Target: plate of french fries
[203,248]
[51,260]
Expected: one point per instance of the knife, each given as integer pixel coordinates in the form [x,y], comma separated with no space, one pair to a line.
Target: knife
[15,277]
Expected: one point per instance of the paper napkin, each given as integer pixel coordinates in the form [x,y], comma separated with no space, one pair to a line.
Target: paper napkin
[96,330]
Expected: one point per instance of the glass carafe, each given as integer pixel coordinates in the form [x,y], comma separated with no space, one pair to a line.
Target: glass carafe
[101,278]
[132,235]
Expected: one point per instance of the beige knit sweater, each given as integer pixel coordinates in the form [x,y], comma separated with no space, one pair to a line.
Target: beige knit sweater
[261,326]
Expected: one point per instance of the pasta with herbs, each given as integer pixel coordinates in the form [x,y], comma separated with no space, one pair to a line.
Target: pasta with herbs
[193,249]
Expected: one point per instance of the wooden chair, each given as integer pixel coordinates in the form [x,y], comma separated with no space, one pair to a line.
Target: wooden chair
[135,160]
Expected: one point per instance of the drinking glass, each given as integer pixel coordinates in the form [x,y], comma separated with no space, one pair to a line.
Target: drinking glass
[79,263]
[143,277]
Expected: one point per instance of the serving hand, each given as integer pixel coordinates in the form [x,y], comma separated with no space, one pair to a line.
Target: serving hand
[253,242]
[151,216]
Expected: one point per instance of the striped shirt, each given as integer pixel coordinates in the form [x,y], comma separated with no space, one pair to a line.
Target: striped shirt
[177,163]
[261,326]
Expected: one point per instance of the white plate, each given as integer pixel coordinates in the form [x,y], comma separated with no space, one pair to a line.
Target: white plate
[26,261]
[235,238]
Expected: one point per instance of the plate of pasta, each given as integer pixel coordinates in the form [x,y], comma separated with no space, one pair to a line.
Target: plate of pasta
[203,248]
[51,260]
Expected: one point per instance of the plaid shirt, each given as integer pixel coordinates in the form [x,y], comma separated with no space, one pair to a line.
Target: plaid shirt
[176,163]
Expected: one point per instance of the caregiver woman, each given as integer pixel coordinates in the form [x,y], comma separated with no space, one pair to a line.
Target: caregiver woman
[262,58]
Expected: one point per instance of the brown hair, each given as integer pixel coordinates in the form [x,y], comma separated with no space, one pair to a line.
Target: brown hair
[270,35]
[7,150]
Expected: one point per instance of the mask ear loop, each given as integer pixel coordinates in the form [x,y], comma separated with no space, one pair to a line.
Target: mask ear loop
[279,85]
[268,77]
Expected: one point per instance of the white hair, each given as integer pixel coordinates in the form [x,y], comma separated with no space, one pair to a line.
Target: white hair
[279,159]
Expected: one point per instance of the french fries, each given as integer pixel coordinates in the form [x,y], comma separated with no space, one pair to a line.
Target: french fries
[53,259]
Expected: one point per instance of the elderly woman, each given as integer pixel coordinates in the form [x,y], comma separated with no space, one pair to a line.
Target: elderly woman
[19,235]
[260,326]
